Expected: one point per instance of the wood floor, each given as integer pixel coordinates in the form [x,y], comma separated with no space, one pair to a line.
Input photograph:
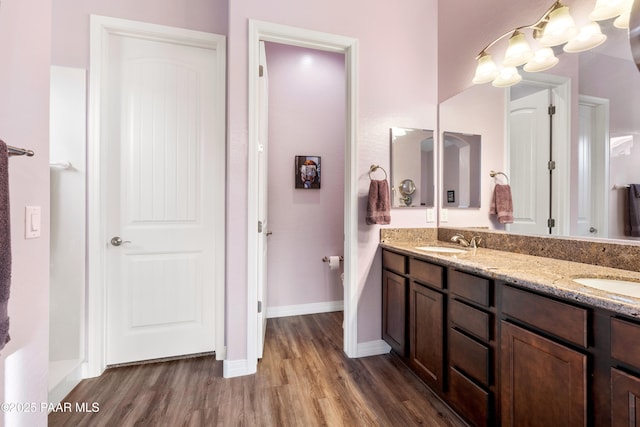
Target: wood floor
[304,379]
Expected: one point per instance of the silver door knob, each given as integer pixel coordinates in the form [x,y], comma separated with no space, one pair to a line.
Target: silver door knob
[117,241]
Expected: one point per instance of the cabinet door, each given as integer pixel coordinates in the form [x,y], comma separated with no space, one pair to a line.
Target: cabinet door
[426,330]
[394,309]
[543,383]
[625,399]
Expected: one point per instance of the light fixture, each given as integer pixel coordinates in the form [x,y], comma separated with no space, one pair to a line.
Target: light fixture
[508,77]
[589,37]
[622,21]
[486,70]
[543,59]
[518,52]
[606,9]
[555,27]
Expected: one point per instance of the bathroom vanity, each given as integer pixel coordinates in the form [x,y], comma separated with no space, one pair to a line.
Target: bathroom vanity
[512,339]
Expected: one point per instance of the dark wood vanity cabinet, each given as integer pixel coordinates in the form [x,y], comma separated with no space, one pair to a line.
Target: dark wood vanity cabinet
[395,294]
[471,346]
[503,355]
[625,380]
[543,379]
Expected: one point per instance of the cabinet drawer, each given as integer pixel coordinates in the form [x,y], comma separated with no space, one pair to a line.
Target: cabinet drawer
[625,342]
[474,321]
[563,320]
[394,261]
[469,356]
[470,287]
[470,399]
[426,273]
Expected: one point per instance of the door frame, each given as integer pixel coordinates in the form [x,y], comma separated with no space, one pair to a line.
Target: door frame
[101,29]
[270,32]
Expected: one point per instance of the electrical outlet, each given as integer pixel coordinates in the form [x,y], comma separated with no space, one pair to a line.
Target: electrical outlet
[444,215]
[431,215]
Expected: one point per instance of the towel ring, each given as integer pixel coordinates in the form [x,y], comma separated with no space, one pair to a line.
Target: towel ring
[374,168]
[493,174]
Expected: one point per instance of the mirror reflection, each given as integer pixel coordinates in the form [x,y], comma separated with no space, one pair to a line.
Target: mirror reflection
[461,170]
[412,178]
[574,179]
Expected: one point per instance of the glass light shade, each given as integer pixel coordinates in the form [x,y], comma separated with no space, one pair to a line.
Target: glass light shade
[606,9]
[543,59]
[589,37]
[486,70]
[560,28]
[518,52]
[622,21]
[508,77]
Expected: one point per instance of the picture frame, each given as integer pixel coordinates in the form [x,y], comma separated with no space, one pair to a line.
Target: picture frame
[451,196]
[307,172]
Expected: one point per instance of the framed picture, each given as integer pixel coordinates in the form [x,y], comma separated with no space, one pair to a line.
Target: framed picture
[307,172]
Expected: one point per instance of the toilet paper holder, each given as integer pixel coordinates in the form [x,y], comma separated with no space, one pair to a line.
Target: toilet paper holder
[326,259]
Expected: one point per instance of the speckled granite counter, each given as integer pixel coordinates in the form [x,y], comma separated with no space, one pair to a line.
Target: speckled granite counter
[550,276]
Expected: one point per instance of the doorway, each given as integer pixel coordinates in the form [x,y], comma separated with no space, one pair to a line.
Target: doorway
[156,241]
[268,32]
[306,118]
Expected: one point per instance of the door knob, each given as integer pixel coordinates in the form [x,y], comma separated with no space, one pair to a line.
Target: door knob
[593,230]
[117,241]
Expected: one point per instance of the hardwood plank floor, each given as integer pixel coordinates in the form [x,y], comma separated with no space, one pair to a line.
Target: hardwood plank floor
[304,379]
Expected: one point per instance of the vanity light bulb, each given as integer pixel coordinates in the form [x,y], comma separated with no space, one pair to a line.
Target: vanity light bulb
[508,76]
[486,70]
[606,9]
[543,59]
[560,28]
[518,52]
[589,37]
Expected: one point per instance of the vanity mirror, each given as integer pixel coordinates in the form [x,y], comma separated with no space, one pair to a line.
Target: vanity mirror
[412,176]
[592,140]
[461,170]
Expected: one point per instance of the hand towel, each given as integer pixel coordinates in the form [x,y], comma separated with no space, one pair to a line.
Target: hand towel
[633,203]
[379,203]
[5,245]
[502,204]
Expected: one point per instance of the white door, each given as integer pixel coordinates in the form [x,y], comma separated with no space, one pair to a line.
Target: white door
[592,189]
[161,199]
[528,163]
[263,161]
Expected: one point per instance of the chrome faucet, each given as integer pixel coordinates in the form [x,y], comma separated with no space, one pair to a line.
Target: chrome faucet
[459,238]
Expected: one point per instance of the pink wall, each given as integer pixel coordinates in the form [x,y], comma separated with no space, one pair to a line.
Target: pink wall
[306,117]
[25,28]
[397,87]
[70,26]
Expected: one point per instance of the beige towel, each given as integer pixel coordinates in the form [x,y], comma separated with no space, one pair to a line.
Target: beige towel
[379,203]
[502,204]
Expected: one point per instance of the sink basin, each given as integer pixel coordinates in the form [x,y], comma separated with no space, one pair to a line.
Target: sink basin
[441,249]
[622,287]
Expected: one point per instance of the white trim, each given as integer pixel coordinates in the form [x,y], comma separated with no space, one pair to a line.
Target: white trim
[101,28]
[265,31]
[373,348]
[237,368]
[304,309]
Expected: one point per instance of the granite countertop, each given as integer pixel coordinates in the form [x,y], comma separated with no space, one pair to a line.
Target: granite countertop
[547,275]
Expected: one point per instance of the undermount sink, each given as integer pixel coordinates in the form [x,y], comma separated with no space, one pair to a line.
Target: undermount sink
[621,287]
[441,249]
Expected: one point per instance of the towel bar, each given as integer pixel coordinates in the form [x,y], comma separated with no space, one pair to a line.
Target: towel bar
[15,151]
[374,168]
[493,174]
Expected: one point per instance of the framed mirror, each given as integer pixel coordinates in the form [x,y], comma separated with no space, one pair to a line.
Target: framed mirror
[461,170]
[412,171]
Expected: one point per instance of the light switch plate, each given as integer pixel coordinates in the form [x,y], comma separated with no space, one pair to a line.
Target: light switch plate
[32,222]
[431,215]
[444,215]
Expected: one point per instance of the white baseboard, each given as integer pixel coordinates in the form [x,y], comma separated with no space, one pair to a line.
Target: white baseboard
[238,368]
[302,309]
[372,348]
